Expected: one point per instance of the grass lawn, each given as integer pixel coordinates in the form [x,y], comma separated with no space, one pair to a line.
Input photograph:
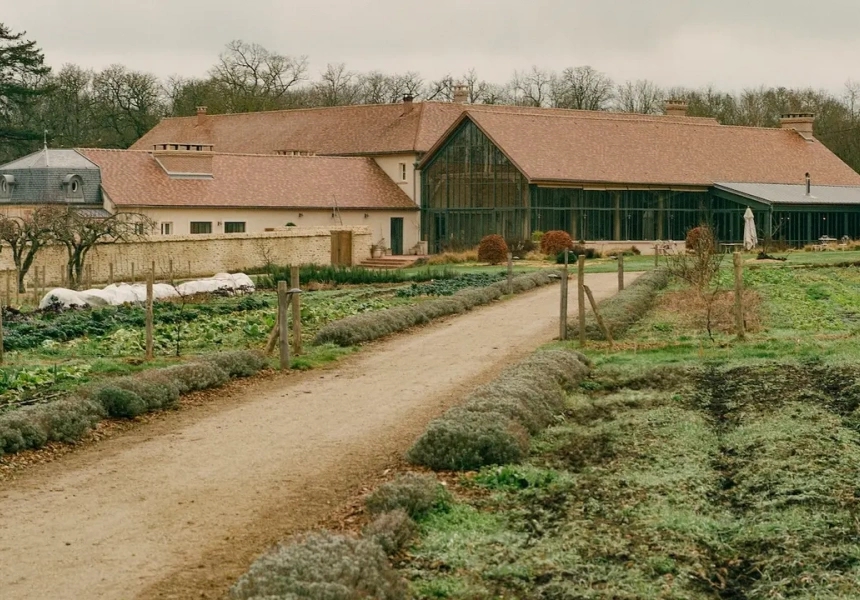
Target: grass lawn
[684,467]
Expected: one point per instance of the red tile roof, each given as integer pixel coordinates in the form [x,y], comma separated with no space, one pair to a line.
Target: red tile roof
[134,178]
[656,151]
[341,130]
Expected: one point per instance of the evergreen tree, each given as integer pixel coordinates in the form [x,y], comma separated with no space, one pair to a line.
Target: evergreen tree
[22,81]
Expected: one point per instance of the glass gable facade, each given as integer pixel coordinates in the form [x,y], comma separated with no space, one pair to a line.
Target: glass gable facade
[469,189]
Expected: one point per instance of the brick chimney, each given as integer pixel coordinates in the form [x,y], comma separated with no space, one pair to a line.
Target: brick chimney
[201,115]
[800,122]
[461,93]
[676,108]
[408,103]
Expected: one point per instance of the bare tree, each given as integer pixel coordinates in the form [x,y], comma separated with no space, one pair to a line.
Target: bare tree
[337,86]
[127,102]
[253,78]
[26,235]
[80,233]
[583,88]
[532,88]
[640,96]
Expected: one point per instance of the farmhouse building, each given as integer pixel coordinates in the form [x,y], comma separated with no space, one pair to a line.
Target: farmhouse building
[601,176]
[190,189]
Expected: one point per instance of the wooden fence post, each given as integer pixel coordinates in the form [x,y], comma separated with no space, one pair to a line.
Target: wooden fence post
[510,273]
[297,311]
[283,331]
[149,319]
[132,273]
[621,272]
[110,273]
[656,256]
[597,316]
[739,295]
[562,321]
[581,298]
[170,270]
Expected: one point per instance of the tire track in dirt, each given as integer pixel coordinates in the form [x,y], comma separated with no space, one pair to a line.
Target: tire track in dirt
[180,509]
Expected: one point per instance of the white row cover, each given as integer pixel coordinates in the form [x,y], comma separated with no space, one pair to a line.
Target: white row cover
[123,293]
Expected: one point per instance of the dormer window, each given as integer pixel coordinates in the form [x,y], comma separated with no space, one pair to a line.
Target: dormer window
[74,187]
[6,184]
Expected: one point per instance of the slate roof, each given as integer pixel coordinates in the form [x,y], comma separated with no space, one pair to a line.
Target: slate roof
[772,193]
[656,151]
[134,178]
[341,130]
[50,158]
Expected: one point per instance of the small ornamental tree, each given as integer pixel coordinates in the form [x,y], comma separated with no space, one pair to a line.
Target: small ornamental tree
[554,242]
[493,249]
[80,232]
[26,236]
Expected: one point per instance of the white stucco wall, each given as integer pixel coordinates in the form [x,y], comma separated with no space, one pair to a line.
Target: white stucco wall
[259,220]
[391,165]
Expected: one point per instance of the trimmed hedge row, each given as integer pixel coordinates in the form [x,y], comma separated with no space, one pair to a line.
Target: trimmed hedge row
[329,566]
[495,423]
[370,326]
[623,310]
[70,419]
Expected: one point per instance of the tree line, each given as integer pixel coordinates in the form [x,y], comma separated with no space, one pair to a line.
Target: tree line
[114,107]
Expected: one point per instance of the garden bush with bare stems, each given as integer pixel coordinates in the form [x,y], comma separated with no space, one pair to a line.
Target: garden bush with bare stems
[415,493]
[493,249]
[699,267]
[366,327]
[392,530]
[622,311]
[553,242]
[322,566]
[494,424]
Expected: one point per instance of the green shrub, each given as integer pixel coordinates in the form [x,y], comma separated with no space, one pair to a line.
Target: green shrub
[27,424]
[553,242]
[575,251]
[415,493]
[240,363]
[467,441]
[493,249]
[339,275]
[392,530]
[195,376]
[11,440]
[626,308]
[119,402]
[155,391]
[70,419]
[322,566]
[494,423]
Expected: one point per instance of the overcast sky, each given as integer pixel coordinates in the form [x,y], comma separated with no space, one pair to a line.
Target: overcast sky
[729,43]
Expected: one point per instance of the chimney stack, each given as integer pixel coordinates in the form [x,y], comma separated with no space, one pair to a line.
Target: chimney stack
[461,93]
[676,108]
[800,122]
[408,103]
[201,115]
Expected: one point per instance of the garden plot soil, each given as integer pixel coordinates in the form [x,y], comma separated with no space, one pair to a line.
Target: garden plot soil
[180,507]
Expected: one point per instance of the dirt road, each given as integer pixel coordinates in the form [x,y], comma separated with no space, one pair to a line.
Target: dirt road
[179,508]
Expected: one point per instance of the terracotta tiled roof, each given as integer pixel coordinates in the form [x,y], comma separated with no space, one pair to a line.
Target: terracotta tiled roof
[134,178]
[343,130]
[655,151]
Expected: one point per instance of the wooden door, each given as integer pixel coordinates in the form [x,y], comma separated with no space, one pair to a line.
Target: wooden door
[341,248]
[397,236]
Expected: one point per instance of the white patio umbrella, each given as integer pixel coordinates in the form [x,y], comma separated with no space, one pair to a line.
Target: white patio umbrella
[750,237]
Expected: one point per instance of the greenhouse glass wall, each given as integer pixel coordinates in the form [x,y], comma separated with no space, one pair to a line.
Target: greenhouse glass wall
[470,189]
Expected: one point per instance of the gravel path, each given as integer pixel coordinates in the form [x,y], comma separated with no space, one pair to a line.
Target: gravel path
[179,508]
